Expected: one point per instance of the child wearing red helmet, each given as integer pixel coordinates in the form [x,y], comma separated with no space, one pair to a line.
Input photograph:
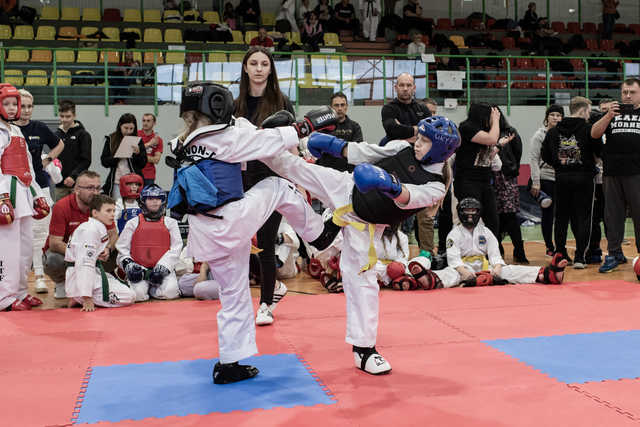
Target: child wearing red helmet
[127,205]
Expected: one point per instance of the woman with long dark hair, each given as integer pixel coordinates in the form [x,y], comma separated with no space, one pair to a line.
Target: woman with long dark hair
[260,97]
[127,126]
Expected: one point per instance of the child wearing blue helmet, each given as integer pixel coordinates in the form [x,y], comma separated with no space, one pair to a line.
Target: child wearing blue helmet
[387,185]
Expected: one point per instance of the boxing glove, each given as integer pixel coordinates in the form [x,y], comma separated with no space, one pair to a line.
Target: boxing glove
[320,143]
[41,208]
[7,215]
[157,275]
[134,271]
[368,177]
[321,119]
[278,119]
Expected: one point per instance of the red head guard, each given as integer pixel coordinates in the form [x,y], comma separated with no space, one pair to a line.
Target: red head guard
[9,91]
[125,192]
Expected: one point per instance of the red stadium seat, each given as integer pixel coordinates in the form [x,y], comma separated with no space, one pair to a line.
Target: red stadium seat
[557,82]
[606,44]
[573,27]
[620,28]
[539,64]
[111,15]
[501,81]
[460,23]
[634,28]
[523,63]
[589,27]
[539,82]
[578,64]
[509,43]
[592,44]
[444,24]
[558,26]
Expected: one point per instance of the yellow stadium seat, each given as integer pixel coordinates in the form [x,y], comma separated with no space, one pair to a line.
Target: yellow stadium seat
[174,57]
[63,78]
[131,15]
[458,41]
[172,35]
[41,55]
[237,37]
[112,33]
[23,32]
[133,30]
[18,55]
[46,32]
[193,15]
[5,32]
[14,77]
[89,56]
[171,16]
[112,57]
[152,15]
[65,56]
[149,57]
[137,56]
[294,37]
[36,78]
[85,31]
[268,19]
[86,76]
[331,39]
[70,14]
[50,13]
[91,14]
[152,35]
[236,57]
[217,57]
[249,35]
[68,32]
[211,17]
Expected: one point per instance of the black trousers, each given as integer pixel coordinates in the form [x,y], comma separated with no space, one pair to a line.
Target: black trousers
[574,205]
[510,225]
[445,223]
[484,193]
[549,187]
[267,235]
[598,217]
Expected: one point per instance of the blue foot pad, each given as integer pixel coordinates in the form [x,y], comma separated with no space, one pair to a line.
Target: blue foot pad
[578,358]
[138,391]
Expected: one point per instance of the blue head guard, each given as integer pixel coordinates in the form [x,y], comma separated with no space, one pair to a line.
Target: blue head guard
[153,191]
[444,136]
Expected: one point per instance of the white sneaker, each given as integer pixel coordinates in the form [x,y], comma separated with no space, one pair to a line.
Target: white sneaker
[278,293]
[375,364]
[264,316]
[579,266]
[41,286]
[60,291]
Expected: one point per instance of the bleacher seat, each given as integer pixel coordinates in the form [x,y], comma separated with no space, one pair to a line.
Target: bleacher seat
[217,57]
[458,41]
[14,77]
[49,13]
[501,81]
[589,27]
[592,44]
[112,33]
[331,39]
[573,27]
[36,78]
[539,82]
[149,57]
[131,15]
[539,63]
[634,28]
[294,37]
[172,35]
[84,78]
[557,26]
[444,24]
[523,63]
[236,57]
[111,15]
[85,31]
[152,35]
[557,82]
[5,32]
[508,43]
[70,14]
[171,15]
[578,64]
[65,56]
[191,16]
[91,14]
[520,81]
[152,15]
[607,45]
[620,28]
[23,32]
[249,35]
[460,23]
[69,33]
[174,57]
[268,19]
[112,56]
[18,55]
[46,32]
[41,55]
[62,78]
[211,17]
[88,56]
[237,37]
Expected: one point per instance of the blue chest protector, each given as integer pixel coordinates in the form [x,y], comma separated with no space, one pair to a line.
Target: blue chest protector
[126,215]
[205,185]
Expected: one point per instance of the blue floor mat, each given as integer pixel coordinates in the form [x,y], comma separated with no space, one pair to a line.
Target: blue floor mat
[138,391]
[578,358]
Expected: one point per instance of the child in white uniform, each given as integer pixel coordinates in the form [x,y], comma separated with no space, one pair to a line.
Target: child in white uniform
[86,282]
[149,247]
[377,200]
[222,218]
[127,204]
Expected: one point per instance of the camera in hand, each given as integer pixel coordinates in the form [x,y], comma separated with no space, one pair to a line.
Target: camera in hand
[626,109]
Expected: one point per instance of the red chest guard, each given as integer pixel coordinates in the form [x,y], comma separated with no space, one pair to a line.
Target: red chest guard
[149,242]
[15,160]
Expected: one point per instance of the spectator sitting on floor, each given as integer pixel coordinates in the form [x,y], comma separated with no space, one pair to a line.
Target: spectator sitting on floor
[262,39]
[416,47]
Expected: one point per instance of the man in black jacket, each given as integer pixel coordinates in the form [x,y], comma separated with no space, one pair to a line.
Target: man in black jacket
[76,156]
[571,150]
[346,129]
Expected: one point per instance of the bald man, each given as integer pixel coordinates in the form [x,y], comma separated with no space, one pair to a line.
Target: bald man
[400,116]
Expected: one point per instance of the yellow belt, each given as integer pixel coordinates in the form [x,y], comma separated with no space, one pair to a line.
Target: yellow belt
[474,258]
[338,219]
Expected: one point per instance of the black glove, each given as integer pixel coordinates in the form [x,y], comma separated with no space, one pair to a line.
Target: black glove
[316,120]
[157,275]
[134,271]
[278,119]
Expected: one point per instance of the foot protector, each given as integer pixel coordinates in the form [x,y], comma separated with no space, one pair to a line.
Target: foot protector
[425,278]
[636,266]
[332,284]
[315,268]
[557,265]
[369,360]
[225,373]
[327,236]
[32,301]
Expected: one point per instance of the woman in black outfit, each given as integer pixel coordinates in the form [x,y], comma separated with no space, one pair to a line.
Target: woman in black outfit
[260,97]
[479,136]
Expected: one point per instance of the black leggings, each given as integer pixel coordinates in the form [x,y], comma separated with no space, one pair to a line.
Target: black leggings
[549,187]
[485,194]
[509,225]
[445,223]
[267,235]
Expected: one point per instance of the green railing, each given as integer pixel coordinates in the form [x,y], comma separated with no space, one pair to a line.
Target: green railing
[310,78]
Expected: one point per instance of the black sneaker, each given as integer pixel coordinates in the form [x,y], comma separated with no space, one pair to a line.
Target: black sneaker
[225,373]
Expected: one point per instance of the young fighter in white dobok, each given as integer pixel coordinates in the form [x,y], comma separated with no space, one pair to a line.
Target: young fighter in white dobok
[20,199]
[474,259]
[86,282]
[222,218]
[406,179]
[149,247]
[199,283]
